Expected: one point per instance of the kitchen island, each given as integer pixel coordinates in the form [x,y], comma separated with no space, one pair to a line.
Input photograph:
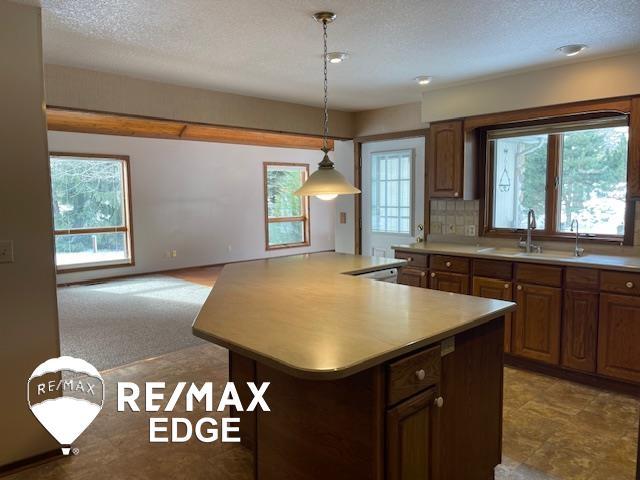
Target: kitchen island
[369,380]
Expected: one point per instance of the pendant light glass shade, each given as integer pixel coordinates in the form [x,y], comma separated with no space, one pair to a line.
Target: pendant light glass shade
[326,183]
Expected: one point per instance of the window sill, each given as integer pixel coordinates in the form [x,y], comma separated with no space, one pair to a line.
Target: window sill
[288,245]
[94,266]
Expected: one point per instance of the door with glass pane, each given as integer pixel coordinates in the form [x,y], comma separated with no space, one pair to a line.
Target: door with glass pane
[392,194]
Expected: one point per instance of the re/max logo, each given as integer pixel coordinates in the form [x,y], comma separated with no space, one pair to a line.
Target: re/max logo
[179,429]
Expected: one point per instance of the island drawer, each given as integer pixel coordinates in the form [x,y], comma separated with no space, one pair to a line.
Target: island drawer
[620,282]
[413,259]
[539,274]
[410,375]
[445,263]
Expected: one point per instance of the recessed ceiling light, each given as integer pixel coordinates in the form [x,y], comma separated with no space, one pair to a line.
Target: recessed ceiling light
[337,57]
[571,50]
[423,79]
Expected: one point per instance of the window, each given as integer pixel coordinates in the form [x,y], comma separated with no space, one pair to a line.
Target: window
[392,192]
[91,211]
[564,172]
[287,215]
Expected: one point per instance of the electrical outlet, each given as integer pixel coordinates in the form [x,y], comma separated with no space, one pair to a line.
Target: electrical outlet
[6,251]
[174,253]
[471,230]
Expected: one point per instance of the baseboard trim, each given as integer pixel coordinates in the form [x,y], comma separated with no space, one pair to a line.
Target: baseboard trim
[30,462]
[590,380]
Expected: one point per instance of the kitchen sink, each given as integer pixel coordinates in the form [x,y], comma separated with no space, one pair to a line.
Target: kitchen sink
[515,252]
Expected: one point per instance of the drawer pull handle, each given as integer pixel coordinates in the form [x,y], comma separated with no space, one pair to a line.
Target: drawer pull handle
[506,285]
[420,374]
[438,402]
[448,264]
[629,284]
[433,275]
[519,287]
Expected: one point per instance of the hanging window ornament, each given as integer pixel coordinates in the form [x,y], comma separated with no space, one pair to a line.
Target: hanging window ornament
[505,181]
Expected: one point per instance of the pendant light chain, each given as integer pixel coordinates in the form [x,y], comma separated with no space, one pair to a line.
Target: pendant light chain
[326,88]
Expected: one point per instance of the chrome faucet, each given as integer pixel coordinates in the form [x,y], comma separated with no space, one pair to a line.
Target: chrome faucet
[578,252]
[529,246]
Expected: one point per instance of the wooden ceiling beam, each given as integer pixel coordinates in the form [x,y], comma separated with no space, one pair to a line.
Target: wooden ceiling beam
[60,119]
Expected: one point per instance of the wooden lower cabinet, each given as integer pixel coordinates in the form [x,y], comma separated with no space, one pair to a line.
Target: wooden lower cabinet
[619,337]
[499,290]
[580,330]
[411,438]
[449,282]
[413,277]
[536,326]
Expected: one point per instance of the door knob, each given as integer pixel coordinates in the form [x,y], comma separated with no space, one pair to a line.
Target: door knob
[438,402]
[420,374]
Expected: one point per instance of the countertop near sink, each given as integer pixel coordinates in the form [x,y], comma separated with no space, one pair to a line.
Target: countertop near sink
[553,257]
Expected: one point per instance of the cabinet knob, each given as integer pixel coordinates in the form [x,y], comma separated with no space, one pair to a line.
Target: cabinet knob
[409,259]
[422,274]
[456,194]
[448,264]
[420,374]
[629,284]
[519,287]
[433,275]
[506,285]
[438,402]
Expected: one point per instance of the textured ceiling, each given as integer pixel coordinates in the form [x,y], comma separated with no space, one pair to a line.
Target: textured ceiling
[272,48]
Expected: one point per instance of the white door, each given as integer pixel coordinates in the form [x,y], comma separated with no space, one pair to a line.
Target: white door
[392,194]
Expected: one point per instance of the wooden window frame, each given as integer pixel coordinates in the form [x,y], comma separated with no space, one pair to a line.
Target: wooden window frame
[554,160]
[127,228]
[305,218]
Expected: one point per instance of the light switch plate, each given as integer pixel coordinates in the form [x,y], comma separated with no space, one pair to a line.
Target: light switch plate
[6,251]
[447,346]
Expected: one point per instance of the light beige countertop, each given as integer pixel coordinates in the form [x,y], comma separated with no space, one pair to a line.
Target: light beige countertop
[303,315]
[553,257]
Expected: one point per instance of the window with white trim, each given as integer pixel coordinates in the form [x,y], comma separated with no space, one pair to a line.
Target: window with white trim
[392,192]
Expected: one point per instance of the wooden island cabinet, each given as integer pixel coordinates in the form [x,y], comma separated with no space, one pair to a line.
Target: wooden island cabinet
[575,321]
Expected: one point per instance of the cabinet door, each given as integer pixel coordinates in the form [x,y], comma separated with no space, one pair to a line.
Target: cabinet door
[619,337]
[445,159]
[449,282]
[410,438]
[412,277]
[499,290]
[536,325]
[579,330]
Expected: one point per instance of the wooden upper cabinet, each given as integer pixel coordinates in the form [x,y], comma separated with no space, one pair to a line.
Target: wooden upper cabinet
[580,330]
[633,170]
[536,326]
[449,282]
[411,433]
[499,290]
[446,159]
[619,337]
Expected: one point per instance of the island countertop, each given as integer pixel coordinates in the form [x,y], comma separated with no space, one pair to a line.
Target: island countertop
[312,317]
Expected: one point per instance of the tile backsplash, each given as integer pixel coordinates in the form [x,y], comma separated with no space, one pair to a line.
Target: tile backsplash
[454,217]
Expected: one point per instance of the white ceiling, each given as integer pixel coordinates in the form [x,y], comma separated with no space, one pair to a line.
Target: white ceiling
[272,48]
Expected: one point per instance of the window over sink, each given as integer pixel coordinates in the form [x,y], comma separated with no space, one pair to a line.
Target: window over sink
[563,171]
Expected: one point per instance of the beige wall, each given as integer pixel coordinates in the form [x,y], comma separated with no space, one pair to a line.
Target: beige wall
[28,311]
[602,78]
[390,119]
[91,90]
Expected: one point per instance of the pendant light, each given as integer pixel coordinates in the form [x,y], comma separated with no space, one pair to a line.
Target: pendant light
[326,183]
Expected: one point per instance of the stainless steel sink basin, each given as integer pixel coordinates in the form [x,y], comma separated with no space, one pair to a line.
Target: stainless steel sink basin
[500,251]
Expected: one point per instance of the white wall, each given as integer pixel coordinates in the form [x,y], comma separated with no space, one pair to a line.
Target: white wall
[205,200]
[28,308]
[589,80]
[345,233]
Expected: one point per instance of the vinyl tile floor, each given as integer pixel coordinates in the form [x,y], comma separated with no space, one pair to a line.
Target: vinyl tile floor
[553,429]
